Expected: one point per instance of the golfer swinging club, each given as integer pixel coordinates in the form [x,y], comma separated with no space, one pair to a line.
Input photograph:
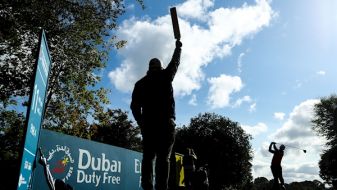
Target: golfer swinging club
[276,168]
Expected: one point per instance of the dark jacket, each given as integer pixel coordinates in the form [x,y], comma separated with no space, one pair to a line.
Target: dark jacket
[152,97]
[278,155]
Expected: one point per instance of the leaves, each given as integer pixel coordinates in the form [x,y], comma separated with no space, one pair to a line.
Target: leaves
[223,145]
[115,128]
[328,165]
[325,120]
[80,34]
[325,124]
[11,129]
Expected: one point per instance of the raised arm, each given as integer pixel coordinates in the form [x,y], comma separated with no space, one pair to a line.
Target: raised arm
[193,154]
[275,148]
[172,67]
[271,144]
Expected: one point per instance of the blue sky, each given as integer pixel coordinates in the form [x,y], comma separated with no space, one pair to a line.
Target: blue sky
[261,63]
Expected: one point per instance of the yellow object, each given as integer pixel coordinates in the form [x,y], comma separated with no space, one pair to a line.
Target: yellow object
[180,170]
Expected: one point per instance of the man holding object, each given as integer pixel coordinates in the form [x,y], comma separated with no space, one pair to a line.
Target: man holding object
[175,23]
[153,108]
[276,168]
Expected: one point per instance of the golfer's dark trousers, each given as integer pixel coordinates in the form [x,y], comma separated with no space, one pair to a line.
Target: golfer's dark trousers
[157,147]
[277,173]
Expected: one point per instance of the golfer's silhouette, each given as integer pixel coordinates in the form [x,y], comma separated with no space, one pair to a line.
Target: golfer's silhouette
[276,168]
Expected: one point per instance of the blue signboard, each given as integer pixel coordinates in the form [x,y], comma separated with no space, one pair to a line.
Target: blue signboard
[35,114]
[85,164]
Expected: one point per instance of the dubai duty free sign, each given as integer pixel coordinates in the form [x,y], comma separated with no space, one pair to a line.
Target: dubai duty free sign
[85,164]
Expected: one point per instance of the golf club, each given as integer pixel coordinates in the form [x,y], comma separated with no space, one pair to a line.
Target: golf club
[305,151]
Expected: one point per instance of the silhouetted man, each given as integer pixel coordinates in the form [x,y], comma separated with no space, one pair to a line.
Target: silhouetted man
[276,168]
[201,179]
[153,108]
[189,167]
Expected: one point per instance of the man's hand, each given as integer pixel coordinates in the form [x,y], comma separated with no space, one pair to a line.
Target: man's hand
[178,44]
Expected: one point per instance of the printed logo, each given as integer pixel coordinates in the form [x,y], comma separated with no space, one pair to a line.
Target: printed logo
[60,162]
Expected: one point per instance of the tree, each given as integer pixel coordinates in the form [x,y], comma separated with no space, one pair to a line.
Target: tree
[325,124]
[262,183]
[114,128]
[223,146]
[325,119]
[328,165]
[10,128]
[80,34]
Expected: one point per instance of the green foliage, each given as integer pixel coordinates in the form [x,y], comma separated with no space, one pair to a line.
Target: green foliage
[74,30]
[115,128]
[80,35]
[328,165]
[325,123]
[223,145]
[261,183]
[325,120]
[11,130]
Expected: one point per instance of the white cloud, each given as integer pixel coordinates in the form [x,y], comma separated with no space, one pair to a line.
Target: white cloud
[256,129]
[279,115]
[195,9]
[203,41]
[261,163]
[242,100]
[139,50]
[252,107]
[296,131]
[221,88]
[298,125]
[240,62]
[193,100]
[321,73]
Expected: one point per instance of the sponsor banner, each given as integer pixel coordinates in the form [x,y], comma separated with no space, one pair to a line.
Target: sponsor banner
[85,164]
[35,113]
[179,170]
